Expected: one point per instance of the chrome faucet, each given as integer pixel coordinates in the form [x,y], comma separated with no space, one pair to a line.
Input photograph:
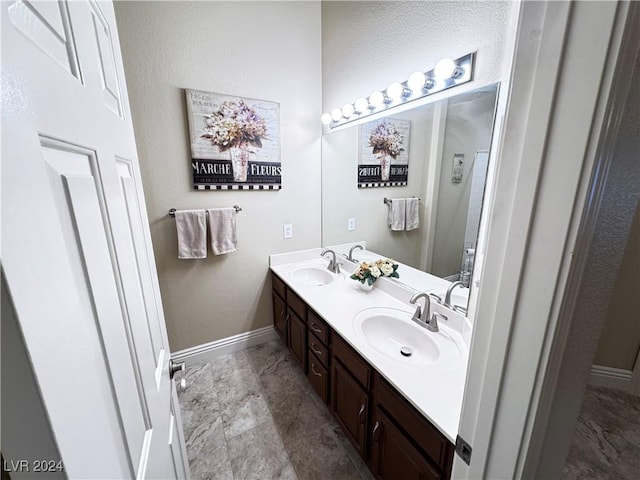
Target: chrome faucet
[355,247]
[424,319]
[333,266]
[447,297]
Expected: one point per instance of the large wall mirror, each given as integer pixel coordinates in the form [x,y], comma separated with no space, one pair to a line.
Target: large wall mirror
[451,193]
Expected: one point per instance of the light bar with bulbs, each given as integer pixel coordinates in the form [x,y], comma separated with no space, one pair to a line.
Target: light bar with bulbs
[446,74]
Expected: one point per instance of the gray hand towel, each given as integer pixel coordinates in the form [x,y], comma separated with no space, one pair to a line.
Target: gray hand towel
[191,226]
[397,209]
[412,219]
[222,228]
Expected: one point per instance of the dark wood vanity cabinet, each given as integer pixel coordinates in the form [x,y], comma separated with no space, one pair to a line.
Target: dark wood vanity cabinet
[394,439]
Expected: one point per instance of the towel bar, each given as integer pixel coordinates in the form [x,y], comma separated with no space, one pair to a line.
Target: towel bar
[388,200]
[172,211]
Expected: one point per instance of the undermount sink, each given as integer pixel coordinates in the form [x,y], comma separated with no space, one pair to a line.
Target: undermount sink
[392,333]
[312,276]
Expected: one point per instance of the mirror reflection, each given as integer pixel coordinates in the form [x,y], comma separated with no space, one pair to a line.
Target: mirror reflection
[448,152]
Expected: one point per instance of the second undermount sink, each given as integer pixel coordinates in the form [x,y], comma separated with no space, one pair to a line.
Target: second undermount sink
[311,275]
[392,333]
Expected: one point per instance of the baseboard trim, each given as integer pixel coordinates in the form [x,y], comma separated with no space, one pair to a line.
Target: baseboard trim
[610,377]
[213,350]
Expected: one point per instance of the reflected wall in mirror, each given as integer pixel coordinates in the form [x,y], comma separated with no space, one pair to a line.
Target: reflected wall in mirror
[441,134]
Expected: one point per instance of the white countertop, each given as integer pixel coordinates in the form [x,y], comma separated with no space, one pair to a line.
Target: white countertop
[436,391]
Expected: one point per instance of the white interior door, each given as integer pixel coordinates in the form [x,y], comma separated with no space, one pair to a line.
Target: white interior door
[76,248]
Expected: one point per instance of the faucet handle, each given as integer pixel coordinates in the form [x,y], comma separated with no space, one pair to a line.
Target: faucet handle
[432,326]
[437,298]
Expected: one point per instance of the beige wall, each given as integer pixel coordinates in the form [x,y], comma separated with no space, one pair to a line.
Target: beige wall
[620,340]
[264,50]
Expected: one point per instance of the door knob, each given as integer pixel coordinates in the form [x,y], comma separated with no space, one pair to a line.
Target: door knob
[175,367]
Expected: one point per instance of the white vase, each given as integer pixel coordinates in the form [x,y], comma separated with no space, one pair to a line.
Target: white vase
[385,167]
[239,163]
[365,286]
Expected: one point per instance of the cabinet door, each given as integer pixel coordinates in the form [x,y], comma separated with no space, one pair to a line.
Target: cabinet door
[298,339]
[279,316]
[350,405]
[393,456]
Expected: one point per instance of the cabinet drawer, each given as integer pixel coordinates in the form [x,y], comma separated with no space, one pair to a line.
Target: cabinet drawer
[319,378]
[352,361]
[278,286]
[425,436]
[318,327]
[318,349]
[297,305]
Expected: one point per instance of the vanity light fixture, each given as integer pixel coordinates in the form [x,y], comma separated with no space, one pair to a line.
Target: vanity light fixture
[446,74]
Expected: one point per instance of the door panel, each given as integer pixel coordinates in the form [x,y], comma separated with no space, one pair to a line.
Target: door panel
[76,246]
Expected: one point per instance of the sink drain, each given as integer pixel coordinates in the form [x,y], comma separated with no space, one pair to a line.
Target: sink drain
[405,351]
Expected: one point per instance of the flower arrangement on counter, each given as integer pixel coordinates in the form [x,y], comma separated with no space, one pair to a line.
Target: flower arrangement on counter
[234,124]
[370,272]
[386,139]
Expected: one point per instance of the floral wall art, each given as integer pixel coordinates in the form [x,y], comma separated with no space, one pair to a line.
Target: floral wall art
[384,153]
[235,142]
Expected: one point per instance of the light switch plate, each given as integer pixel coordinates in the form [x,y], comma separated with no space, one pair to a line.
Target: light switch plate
[287,230]
[351,224]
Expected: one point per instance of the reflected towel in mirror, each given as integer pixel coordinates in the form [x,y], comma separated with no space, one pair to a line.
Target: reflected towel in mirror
[397,213]
[412,219]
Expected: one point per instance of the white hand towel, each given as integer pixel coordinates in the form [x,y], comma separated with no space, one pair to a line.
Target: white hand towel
[222,228]
[191,226]
[397,209]
[412,219]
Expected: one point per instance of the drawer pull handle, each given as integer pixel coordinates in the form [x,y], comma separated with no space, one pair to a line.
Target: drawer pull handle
[315,350]
[362,408]
[376,432]
[316,328]
[287,318]
[313,370]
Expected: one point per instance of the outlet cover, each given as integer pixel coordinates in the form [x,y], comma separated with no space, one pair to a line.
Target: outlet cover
[287,230]
[351,224]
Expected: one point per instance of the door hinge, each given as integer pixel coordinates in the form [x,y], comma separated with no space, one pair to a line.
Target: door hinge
[463,449]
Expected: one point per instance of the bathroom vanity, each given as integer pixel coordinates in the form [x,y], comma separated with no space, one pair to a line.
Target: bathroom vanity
[401,414]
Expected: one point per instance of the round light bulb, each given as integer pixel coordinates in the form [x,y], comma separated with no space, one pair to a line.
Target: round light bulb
[416,81]
[361,105]
[444,69]
[376,99]
[336,114]
[347,110]
[326,118]
[394,90]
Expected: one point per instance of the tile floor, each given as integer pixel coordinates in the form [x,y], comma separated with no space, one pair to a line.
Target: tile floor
[606,442]
[253,415]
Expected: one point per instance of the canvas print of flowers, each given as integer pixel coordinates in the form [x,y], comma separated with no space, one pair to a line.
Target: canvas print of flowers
[384,153]
[235,142]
